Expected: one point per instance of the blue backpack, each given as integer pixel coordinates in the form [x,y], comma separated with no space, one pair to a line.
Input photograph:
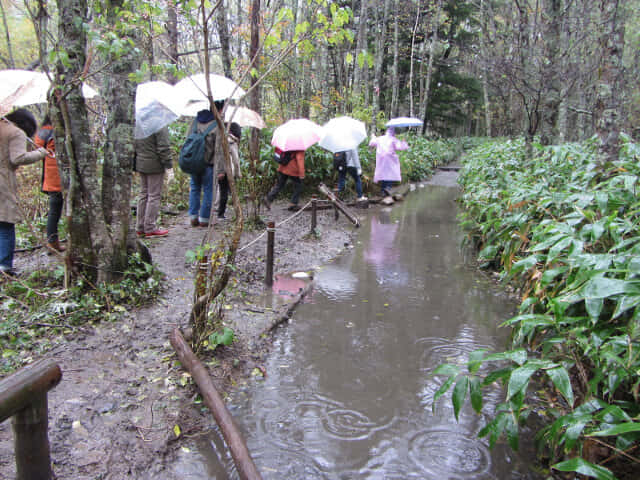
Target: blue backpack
[191,158]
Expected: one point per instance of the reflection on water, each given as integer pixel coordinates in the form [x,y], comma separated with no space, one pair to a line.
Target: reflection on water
[349,389]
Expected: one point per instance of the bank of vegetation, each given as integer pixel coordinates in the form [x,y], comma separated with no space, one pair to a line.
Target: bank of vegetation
[565,230]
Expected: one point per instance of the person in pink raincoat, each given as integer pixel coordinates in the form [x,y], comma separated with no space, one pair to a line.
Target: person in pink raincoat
[387,161]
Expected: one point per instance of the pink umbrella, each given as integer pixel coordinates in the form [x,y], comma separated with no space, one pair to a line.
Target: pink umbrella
[296,134]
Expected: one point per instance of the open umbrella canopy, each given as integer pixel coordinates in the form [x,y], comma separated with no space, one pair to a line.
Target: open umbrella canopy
[243,116]
[296,134]
[404,122]
[194,88]
[24,87]
[157,105]
[343,133]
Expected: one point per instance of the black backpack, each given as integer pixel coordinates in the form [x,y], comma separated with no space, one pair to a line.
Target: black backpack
[340,161]
[281,157]
[191,158]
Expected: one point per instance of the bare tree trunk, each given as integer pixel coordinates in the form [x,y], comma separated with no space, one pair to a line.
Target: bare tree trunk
[413,43]
[485,70]
[254,101]
[432,44]
[239,21]
[395,95]
[223,35]
[607,107]
[172,34]
[361,43]
[84,212]
[10,60]
[119,93]
[381,22]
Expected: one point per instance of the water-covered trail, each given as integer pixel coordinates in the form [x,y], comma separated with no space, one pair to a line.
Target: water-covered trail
[348,392]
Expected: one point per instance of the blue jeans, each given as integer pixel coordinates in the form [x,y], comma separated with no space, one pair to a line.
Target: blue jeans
[342,179]
[201,184]
[7,245]
[386,185]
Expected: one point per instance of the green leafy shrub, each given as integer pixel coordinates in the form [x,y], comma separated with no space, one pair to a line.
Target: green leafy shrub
[565,232]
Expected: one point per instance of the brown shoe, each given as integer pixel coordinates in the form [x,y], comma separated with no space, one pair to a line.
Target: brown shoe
[293,207]
[203,224]
[195,222]
[55,246]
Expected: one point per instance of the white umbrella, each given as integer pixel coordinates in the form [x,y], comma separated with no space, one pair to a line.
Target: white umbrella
[157,105]
[243,116]
[343,133]
[194,88]
[24,87]
[404,122]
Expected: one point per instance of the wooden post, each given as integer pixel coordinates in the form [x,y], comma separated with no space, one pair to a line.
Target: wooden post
[339,205]
[241,456]
[314,213]
[23,396]
[31,441]
[271,233]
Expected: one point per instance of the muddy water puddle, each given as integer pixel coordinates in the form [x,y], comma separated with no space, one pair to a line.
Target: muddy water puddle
[349,386]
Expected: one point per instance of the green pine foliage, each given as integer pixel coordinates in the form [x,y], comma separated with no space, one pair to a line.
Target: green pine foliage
[567,234]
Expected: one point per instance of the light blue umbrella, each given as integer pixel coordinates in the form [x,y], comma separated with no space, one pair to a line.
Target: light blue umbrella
[404,122]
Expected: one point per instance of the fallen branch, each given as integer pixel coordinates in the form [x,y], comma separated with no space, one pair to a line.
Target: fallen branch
[241,456]
[338,204]
[285,313]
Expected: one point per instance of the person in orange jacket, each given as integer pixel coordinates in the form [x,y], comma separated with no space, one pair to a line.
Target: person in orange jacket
[294,171]
[51,183]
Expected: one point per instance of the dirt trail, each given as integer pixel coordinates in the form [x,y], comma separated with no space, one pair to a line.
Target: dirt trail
[115,412]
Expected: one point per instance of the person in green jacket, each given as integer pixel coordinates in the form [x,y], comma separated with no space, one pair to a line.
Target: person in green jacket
[153,157]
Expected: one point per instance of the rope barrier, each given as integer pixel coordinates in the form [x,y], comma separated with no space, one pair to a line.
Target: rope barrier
[277,225]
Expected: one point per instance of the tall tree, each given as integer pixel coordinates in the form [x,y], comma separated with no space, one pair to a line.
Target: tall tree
[608,94]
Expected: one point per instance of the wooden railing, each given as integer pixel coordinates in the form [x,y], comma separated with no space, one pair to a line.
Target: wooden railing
[23,396]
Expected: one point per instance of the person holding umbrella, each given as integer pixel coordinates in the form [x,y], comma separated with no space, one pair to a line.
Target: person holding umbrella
[292,138]
[354,169]
[387,161]
[15,128]
[152,158]
[294,171]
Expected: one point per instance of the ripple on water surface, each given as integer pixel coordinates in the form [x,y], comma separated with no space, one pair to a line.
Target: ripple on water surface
[445,350]
[336,283]
[450,454]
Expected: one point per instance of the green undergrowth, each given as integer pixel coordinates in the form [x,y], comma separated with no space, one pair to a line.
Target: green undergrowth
[36,311]
[565,231]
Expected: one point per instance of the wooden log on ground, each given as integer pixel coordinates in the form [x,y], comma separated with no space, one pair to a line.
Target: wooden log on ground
[339,205]
[232,436]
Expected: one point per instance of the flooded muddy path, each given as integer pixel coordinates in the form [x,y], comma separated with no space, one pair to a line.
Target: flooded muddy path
[349,387]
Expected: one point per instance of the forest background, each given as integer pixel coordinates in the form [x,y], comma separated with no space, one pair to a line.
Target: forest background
[547,71]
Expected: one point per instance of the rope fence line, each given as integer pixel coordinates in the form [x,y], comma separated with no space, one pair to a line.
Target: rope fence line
[277,225]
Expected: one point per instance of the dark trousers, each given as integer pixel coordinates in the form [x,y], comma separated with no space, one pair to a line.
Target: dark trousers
[223,184]
[282,180]
[53,217]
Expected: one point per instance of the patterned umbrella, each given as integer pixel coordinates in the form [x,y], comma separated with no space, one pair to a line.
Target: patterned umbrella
[296,134]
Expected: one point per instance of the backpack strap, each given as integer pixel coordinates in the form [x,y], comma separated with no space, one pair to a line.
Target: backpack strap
[210,127]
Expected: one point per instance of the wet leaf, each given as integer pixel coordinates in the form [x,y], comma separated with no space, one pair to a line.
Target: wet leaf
[560,378]
[459,395]
[580,465]
[617,430]
[475,393]
[176,430]
[442,390]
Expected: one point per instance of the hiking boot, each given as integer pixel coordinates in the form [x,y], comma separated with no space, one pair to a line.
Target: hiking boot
[195,222]
[266,202]
[7,271]
[157,233]
[293,207]
[55,246]
[203,224]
